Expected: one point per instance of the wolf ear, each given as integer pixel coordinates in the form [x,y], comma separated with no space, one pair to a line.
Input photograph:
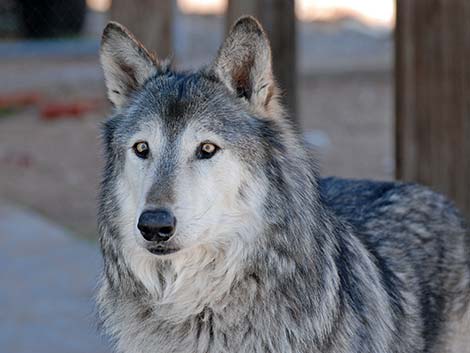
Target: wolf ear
[125,61]
[244,64]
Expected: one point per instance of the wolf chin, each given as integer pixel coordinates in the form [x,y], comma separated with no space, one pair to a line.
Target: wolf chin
[218,235]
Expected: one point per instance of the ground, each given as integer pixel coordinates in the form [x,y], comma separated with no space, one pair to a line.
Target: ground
[47,281]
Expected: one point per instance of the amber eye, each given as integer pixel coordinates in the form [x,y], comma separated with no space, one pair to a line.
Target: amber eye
[206,150]
[141,149]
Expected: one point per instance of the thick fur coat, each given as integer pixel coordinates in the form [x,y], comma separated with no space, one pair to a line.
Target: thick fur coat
[266,255]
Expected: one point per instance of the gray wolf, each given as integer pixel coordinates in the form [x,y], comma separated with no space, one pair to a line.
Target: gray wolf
[218,234]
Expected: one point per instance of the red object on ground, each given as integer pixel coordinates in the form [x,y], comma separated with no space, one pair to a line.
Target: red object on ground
[52,111]
[49,110]
[16,100]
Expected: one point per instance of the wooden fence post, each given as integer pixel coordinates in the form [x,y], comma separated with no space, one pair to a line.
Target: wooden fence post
[433,96]
[149,20]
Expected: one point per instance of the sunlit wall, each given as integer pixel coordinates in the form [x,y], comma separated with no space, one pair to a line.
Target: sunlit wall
[374,12]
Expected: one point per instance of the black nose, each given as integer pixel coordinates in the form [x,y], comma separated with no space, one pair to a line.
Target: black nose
[157,225]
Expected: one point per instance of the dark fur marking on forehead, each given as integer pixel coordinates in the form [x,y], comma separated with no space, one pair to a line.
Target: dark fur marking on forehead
[176,91]
[178,105]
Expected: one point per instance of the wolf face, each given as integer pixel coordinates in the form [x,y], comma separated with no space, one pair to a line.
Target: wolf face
[186,150]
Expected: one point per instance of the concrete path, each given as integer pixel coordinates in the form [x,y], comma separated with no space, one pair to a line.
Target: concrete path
[47,280]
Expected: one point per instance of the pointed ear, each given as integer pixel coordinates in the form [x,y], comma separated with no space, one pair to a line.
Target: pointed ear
[244,64]
[126,63]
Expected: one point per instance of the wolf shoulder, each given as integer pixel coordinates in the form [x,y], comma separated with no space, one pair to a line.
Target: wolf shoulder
[421,238]
[391,206]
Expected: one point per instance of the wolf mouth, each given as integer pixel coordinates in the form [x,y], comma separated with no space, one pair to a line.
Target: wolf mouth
[162,250]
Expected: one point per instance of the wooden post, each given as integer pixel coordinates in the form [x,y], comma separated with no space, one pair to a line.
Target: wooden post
[278,19]
[149,20]
[433,96]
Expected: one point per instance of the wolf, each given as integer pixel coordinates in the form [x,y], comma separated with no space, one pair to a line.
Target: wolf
[219,235]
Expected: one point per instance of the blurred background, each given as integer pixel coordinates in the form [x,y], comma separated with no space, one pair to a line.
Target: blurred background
[377,88]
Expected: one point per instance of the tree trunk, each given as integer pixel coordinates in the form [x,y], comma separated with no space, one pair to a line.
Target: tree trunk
[279,21]
[433,96]
[149,20]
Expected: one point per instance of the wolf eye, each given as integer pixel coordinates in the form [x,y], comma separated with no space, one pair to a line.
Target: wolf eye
[141,149]
[206,150]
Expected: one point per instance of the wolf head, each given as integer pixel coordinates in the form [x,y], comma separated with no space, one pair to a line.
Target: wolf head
[191,155]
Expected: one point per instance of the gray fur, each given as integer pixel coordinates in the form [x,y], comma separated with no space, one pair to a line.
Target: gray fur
[309,265]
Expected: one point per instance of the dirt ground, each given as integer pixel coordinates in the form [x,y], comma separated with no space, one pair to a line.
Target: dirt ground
[53,166]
